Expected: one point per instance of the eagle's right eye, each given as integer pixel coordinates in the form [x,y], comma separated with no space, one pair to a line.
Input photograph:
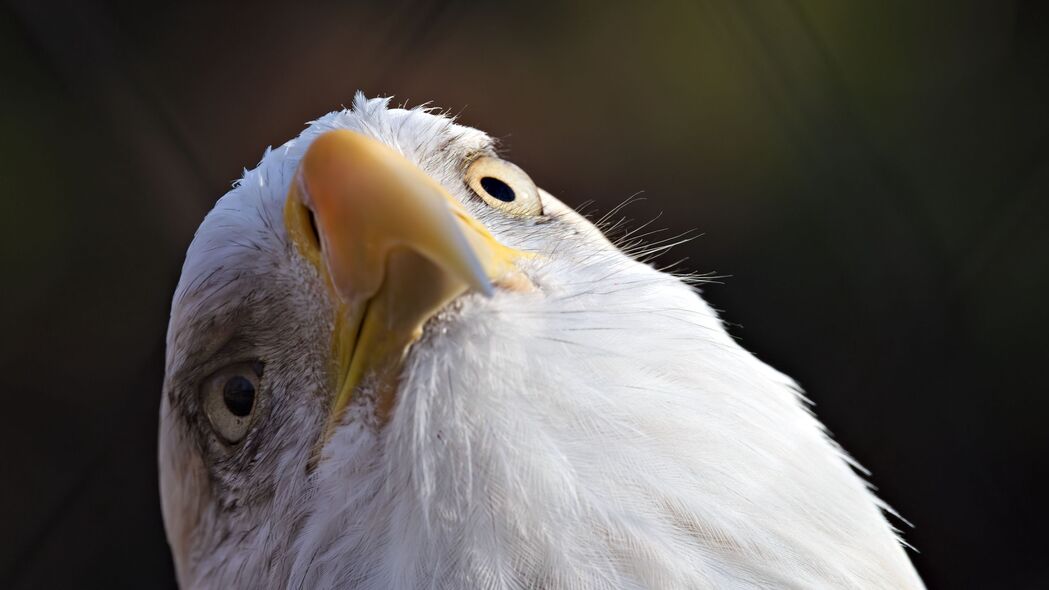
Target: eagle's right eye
[230,399]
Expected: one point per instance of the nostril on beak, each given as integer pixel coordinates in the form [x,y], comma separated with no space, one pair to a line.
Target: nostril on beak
[313,229]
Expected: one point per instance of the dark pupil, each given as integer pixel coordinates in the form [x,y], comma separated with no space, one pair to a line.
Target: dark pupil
[239,395]
[498,189]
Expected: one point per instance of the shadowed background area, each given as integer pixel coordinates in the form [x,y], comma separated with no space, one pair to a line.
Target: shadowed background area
[871,183]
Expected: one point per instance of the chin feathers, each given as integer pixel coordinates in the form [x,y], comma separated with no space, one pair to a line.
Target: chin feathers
[603,433]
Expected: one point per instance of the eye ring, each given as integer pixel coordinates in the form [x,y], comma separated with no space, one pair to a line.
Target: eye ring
[230,398]
[504,186]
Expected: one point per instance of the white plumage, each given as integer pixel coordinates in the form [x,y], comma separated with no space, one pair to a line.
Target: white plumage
[600,431]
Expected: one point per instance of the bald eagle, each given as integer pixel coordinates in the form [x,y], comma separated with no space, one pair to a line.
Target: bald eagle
[394,362]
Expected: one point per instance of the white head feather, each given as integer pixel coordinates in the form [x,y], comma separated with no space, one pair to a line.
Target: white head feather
[603,431]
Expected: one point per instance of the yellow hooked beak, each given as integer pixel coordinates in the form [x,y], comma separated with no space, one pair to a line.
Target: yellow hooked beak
[394,248]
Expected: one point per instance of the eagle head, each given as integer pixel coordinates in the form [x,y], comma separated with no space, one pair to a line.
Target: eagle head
[394,362]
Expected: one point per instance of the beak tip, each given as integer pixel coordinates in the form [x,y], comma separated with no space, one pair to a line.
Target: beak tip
[478,280]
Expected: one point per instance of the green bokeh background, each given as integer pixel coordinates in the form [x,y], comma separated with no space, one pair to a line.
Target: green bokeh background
[870,180]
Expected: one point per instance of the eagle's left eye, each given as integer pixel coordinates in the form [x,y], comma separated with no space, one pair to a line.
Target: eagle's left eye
[230,399]
[504,186]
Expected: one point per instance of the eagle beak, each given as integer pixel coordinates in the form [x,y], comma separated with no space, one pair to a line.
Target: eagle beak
[393,247]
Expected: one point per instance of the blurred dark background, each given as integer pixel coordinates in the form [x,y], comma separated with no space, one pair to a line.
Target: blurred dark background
[872,180]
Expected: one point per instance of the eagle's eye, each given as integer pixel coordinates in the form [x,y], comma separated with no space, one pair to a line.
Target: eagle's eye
[229,400]
[504,186]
